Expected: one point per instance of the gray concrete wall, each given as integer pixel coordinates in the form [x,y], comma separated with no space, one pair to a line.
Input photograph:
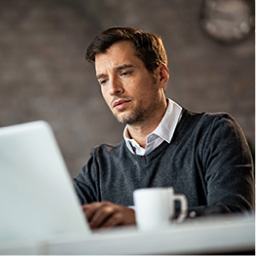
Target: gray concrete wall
[43,74]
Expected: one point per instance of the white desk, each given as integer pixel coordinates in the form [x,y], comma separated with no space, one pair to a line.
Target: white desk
[234,234]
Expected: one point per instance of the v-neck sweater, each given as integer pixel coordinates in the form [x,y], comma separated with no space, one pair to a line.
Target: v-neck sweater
[208,160]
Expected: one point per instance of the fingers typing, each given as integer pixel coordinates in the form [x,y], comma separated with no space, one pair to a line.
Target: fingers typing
[106,214]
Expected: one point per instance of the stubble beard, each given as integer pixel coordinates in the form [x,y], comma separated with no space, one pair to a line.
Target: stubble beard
[136,116]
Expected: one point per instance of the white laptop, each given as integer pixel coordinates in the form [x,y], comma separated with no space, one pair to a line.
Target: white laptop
[36,192]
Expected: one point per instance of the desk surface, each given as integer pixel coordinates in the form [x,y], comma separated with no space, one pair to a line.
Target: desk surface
[233,234]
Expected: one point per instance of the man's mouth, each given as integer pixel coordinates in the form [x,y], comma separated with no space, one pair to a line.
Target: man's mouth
[120,104]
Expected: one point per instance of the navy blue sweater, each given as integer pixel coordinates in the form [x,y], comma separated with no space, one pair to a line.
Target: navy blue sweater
[208,160]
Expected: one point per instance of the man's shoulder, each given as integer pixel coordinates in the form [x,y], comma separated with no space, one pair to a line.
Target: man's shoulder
[206,117]
[108,149]
[207,122]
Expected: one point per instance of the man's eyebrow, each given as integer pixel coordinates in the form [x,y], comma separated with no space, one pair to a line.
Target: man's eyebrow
[119,68]
[124,66]
[100,76]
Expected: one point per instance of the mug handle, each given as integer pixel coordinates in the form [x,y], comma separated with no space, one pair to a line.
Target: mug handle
[183,208]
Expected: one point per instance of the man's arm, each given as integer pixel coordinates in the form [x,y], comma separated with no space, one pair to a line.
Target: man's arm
[99,214]
[228,170]
[85,184]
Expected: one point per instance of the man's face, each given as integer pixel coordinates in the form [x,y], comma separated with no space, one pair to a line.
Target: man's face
[128,88]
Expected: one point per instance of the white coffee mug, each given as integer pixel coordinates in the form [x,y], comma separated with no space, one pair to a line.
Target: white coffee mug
[155,207]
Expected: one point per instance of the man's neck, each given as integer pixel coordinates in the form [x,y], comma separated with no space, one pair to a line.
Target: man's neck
[140,131]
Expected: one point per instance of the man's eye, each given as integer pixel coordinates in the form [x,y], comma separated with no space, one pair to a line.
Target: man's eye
[126,73]
[103,81]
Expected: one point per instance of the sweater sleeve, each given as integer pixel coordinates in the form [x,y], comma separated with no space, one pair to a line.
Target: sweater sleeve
[228,169]
[85,184]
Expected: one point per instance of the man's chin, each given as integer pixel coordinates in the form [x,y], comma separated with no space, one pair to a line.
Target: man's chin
[125,119]
[121,120]
[129,117]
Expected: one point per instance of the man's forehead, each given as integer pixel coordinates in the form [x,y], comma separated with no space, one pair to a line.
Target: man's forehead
[119,54]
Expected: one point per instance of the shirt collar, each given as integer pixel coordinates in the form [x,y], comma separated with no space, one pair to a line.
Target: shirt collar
[164,130]
[167,126]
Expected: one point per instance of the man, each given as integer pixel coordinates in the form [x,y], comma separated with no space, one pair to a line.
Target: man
[203,156]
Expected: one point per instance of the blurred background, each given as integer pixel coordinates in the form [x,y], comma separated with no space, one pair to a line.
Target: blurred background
[44,75]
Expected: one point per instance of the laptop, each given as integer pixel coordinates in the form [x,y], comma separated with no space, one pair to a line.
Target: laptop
[36,192]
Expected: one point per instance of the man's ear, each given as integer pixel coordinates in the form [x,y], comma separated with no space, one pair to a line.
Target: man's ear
[163,75]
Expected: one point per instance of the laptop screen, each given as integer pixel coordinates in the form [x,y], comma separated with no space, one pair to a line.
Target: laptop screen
[36,193]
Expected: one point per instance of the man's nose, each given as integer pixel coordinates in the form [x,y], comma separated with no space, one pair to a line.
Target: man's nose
[116,87]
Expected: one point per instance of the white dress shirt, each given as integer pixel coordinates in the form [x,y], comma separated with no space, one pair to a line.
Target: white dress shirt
[163,132]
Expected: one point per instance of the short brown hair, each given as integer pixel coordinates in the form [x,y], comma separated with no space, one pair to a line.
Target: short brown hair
[149,47]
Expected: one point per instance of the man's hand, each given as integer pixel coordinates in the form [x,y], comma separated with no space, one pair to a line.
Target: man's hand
[106,214]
